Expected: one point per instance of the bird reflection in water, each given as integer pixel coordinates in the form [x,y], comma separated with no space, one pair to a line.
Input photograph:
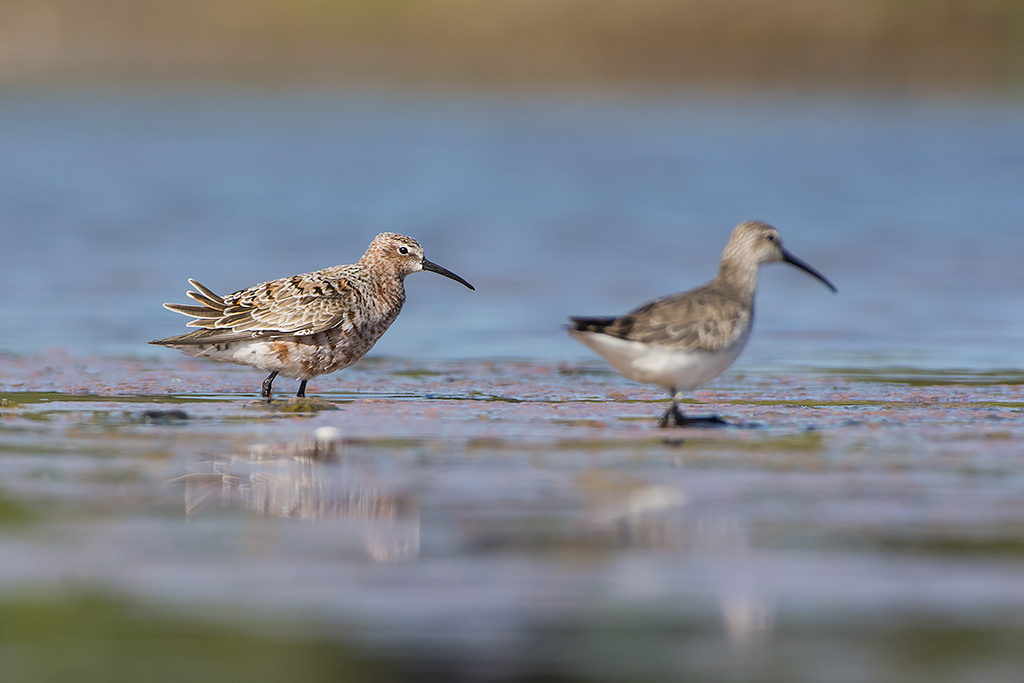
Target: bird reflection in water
[651,517]
[311,480]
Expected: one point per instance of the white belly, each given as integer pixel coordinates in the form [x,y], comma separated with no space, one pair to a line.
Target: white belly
[258,354]
[662,365]
[298,358]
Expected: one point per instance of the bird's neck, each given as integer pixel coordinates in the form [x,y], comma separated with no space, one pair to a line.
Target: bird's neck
[390,289]
[381,289]
[740,277]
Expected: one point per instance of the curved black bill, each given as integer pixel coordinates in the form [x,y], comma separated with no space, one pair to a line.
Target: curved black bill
[434,268]
[794,261]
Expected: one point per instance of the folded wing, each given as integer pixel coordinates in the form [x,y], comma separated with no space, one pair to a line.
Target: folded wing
[697,320]
[299,305]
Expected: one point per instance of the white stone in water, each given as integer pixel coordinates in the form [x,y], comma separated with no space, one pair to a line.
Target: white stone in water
[326,434]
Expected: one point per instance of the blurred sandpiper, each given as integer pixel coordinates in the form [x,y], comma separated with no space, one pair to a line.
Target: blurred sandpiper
[681,341]
[306,325]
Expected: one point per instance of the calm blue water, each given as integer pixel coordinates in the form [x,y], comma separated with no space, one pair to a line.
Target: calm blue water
[550,205]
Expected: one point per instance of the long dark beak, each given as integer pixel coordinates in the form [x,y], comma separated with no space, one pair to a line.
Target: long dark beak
[794,261]
[434,268]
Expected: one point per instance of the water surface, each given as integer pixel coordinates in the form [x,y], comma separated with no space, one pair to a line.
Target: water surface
[480,498]
[550,205]
[496,521]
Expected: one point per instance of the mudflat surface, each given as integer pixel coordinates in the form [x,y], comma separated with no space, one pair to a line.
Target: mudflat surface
[513,520]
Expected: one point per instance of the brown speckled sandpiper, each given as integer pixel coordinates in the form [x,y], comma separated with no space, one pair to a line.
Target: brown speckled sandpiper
[305,325]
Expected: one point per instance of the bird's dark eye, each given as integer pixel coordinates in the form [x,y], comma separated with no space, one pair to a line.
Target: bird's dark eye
[770,237]
[403,250]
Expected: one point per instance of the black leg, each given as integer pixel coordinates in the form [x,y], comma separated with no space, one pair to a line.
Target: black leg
[302,389]
[673,417]
[267,383]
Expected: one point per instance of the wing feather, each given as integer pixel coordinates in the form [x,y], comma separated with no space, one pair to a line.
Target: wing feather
[194,311]
[204,337]
[702,319]
[206,292]
[212,304]
[303,304]
[298,305]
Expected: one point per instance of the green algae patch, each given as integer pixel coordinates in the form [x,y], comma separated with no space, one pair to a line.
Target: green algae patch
[91,639]
[919,377]
[1009,545]
[416,373]
[801,442]
[295,405]
[816,403]
[33,398]
[24,398]
[480,396]
[581,422]
[586,372]
[12,513]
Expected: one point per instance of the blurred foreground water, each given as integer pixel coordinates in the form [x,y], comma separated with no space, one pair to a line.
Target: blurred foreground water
[480,499]
[473,520]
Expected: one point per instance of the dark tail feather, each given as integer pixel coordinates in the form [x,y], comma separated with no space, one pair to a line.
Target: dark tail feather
[216,300]
[591,324]
[205,337]
[194,311]
[238,321]
[206,301]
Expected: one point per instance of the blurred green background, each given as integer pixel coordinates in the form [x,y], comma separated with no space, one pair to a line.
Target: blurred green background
[836,43]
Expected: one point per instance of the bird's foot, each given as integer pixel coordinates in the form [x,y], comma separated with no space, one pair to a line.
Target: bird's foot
[268,385]
[674,417]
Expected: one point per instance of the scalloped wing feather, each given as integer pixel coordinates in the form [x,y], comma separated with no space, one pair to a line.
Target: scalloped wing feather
[214,299]
[699,320]
[303,304]
[194,311]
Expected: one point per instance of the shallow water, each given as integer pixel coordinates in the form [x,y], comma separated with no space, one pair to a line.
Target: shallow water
[480,499]
[551,206]
[499,521]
